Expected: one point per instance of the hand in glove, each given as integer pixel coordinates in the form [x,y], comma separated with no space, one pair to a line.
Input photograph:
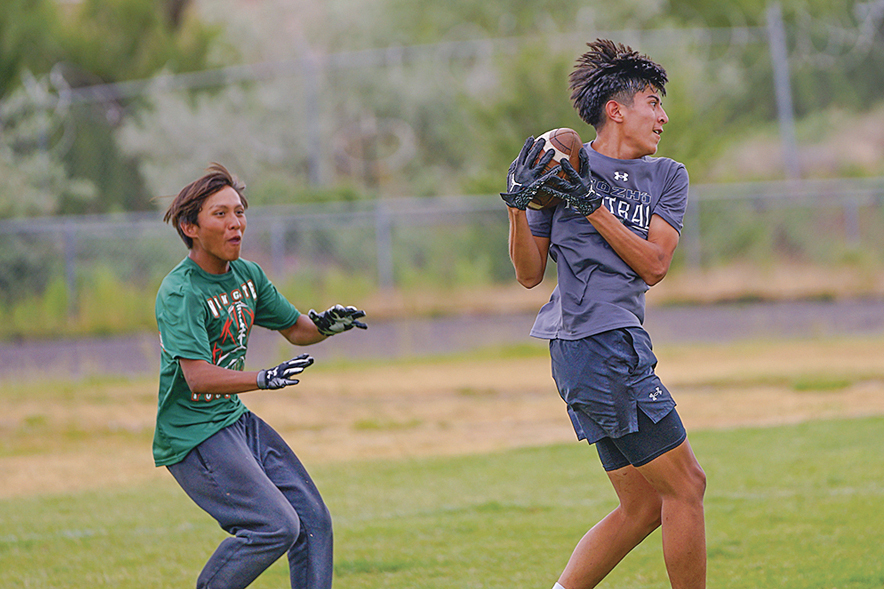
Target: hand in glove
[280,376]
[337,319]
[525,177]
[576,188]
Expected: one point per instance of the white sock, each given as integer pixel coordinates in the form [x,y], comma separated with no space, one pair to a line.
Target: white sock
[557,586]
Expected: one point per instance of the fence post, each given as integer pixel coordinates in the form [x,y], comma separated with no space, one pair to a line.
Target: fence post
[779,56]
[312,118]
[384,238]
[277,248]
[69,241]
[692,231]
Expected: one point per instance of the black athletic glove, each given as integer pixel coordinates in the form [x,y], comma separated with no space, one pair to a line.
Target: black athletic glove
[280,376]
[337,319]
[576,188]
[525,177]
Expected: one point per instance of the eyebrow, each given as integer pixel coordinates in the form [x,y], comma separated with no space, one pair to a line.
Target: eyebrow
[225,206]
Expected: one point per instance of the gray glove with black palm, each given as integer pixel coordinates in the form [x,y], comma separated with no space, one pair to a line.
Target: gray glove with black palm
[576,188]
[525,177]
[337,319]
[281,376]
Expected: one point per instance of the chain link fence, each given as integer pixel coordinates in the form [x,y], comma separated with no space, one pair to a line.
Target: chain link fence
[371,129]
[438,242]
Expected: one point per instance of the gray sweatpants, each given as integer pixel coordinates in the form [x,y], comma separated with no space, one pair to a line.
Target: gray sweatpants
[251,482]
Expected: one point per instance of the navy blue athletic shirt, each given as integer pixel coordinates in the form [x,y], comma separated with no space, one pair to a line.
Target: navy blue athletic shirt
[597,291]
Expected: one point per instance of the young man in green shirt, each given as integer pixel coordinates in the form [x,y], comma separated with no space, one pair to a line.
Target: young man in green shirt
[228,460]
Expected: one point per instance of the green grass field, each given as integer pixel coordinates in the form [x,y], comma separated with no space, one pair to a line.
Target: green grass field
[793,507]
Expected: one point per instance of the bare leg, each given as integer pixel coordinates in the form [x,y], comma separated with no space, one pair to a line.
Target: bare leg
[681,483]
[669,492]
[610,540]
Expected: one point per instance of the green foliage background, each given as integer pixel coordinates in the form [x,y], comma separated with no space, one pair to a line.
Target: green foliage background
[90,43]
[462,83]
[469,116]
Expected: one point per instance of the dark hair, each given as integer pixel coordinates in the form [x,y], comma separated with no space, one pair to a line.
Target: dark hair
[187,205]
[611,71]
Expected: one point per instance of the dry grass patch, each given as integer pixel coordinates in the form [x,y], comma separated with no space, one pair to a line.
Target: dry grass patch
[95,434]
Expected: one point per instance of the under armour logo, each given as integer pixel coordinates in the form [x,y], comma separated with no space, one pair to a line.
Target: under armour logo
[657,392]
[621,176]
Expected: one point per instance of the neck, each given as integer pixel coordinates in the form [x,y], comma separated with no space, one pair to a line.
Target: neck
[210,264]
[615,147]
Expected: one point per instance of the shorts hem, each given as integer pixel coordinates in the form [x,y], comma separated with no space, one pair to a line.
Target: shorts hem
[662,451]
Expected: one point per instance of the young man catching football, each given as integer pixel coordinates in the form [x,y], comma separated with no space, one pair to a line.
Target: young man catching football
[612,237]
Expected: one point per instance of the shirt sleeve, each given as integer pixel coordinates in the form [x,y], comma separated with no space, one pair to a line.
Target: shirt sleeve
[674,200]
[540,221]
[181,321]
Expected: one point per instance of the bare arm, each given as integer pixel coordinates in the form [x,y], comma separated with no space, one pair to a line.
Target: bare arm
[205,377]
[649,258]
[527,252]
[303,332]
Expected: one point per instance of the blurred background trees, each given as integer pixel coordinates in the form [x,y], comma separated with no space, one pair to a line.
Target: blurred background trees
[356,99]
[374,136]
[63,155]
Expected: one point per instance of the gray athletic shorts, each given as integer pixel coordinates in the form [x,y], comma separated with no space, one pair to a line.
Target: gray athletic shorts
[608,382]
[649,442]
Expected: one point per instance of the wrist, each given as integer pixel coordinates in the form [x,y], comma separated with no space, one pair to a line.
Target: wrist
[517,214]
[517,200]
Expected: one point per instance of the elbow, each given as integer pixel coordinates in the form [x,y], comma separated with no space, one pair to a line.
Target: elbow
[652,280]
[655,274]
[198,377]
[197,386]
[530,275]
[529,282]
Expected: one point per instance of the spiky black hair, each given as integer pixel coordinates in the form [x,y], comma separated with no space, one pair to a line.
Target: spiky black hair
[607,71]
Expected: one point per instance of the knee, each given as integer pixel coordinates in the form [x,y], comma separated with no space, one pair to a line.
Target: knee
[700,480]
[652,514]
[645,513]
[695,489]
[321,520]
[286,530]
[650,519]
[315,523]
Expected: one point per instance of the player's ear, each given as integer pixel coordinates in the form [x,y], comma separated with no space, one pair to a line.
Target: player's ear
[189,229]
[614,111]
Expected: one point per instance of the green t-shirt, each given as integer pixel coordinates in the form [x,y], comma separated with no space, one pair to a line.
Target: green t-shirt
[204,316]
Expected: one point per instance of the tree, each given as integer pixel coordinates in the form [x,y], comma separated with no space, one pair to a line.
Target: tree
[116,40]
[35,181]
[60,48]
[28,32]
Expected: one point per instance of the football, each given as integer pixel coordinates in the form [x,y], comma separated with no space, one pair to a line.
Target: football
[566,143]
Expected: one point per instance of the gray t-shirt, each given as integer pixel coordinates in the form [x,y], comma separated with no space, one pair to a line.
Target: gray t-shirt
[597,291]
